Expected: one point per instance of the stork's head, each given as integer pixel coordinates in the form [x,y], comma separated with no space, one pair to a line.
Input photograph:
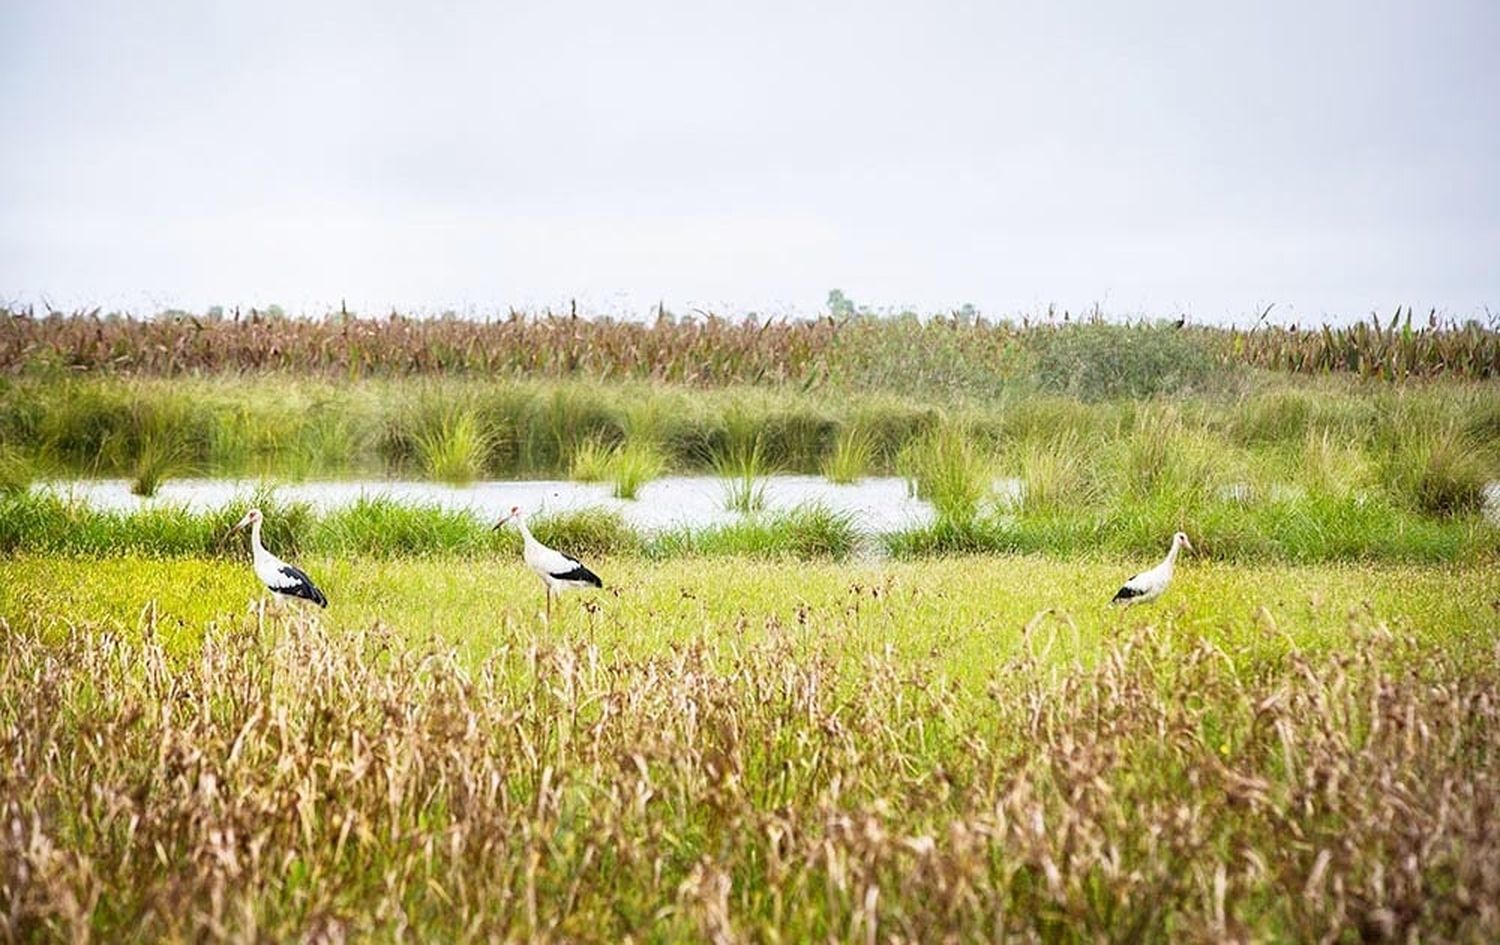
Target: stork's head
[1180,540]
[514,515]
[252,517]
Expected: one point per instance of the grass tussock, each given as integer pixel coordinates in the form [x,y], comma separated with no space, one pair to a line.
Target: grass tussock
[806,532]
[590,462]
[17,472]
[742,464]
[301,784]
[852,456]
[948,470]
[633,464]
[1056,471]
[158,458]
[453,449]
[1440,473]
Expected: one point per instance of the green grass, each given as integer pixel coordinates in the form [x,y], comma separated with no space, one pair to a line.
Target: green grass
[631,465]
[852,457]
[948,470]
[808,532]
[1307,527]
[16,471]
[1440,473]
[590,462]
[1056,471]
[971,611]
[946,749]
[158,458]
[743,468]
[300,428]
[453,450]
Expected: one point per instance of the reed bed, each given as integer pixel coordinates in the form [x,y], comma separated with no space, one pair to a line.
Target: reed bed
[1088,356]
[525,429]
[285,782]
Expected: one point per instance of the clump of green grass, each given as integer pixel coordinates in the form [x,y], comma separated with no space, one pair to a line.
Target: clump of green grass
[329,440]
[1274,417]
[1057,470]
[453,450]
[946,468]
[807,532]
[1164,461]
[1439,473]
[742,465]
[1330,465]
[852,456]
[16,471]
[159,457]
[379,526]
[590,462]
[945,537]
[583,532]
[631,465]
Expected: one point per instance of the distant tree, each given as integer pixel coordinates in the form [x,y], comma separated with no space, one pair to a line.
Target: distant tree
[839,304]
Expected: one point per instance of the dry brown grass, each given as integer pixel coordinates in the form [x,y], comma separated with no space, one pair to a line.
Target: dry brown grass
[699,351]
[286,783]
[864,351]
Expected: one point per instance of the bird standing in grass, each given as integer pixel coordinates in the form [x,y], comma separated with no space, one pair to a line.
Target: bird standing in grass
[559,572]
[281,579]
[1148,585]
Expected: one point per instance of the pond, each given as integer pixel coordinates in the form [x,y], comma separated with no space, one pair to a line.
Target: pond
[877,504]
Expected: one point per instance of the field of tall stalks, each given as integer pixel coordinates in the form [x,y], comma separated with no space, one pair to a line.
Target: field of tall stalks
[1087,356]
[283,781]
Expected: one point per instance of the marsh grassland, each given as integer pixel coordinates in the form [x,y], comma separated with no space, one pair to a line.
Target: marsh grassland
[777,730]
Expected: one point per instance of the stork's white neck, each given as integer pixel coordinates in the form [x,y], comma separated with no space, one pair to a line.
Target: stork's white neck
[526,535]
[1172,554]
[256,547]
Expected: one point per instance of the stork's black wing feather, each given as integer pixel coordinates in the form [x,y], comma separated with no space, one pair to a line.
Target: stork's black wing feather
[298,584]
[1126,593]
[578,573]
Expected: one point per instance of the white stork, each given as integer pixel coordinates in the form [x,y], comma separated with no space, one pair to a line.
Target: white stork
[559,572]
[1149,585]
[282,579]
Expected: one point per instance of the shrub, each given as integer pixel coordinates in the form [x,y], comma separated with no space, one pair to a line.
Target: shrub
[1096,360]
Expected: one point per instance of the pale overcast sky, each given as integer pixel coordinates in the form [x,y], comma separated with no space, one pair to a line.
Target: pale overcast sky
[1151,157]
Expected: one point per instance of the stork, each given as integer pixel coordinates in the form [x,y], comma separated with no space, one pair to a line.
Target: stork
[559,572]
[1149,585]
[281,579]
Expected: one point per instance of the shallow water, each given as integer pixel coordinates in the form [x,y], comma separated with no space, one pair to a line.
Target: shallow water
[879,504]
